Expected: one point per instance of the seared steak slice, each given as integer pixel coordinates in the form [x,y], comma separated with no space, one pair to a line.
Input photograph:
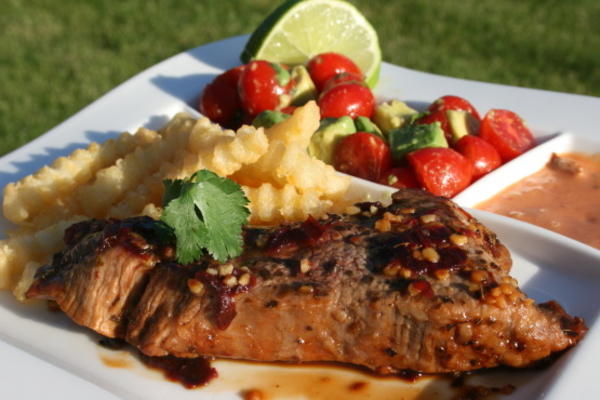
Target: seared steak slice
[417,285]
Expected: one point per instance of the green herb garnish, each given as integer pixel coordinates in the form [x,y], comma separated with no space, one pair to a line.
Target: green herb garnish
[207,213]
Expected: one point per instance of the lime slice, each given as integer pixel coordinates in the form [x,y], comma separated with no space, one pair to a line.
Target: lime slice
[300,29]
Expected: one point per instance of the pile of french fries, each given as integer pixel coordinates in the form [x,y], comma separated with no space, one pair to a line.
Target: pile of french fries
[123,177]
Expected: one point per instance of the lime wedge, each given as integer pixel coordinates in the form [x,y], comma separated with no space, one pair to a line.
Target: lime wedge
[300,29]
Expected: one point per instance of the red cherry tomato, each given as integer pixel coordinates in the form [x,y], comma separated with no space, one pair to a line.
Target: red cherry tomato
[364,155]
[341,78]
[220,101]
[348,98]
[260,87]
[506,131]
[400,178]
[437,116]
[453,103]
[441,171]
[288,110]
[327,65]
[482,155]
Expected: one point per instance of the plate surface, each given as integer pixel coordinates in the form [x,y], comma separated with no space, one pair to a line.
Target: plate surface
[65,360]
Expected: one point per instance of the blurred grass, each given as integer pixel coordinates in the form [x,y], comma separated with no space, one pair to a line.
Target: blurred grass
[58,56]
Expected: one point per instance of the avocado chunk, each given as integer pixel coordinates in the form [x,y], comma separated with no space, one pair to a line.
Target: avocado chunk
[331,131]
[462,123]
[282,75]
[409,138]
[364,124]
[268,118]
[305,89]
[392,115]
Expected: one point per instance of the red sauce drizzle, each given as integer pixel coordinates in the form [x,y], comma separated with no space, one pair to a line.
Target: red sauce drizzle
[423,287]
[417,237]
[451,258]
[190,372]
[225,310]
[287,240]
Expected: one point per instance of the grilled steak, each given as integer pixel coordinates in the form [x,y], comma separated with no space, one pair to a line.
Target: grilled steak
[417,285]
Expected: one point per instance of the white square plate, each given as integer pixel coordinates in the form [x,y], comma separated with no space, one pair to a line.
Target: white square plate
[44,355]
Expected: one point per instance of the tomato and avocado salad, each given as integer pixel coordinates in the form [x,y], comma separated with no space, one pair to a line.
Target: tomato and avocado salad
[441,149]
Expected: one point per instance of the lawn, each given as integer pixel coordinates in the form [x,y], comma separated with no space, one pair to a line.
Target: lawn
[58,56]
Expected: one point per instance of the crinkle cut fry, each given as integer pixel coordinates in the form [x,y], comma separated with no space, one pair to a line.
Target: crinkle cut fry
[33,195]
[112,183]
[227,155]
[291,164]
[299,128]
[272,205]
[287,184]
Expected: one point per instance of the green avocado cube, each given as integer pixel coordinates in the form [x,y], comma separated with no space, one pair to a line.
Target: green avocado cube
[409,138]
[331,131]
[305,89]
[462,123]
[364,124]
[392,115]
[268,118]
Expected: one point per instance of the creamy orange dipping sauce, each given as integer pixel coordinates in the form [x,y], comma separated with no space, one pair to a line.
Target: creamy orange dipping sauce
[564,196]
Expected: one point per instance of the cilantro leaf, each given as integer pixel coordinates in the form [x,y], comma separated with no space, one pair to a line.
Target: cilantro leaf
[207,213]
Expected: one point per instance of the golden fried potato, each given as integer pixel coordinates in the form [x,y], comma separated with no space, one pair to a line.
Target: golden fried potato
[290,164]
[271,205]
[111,184]
[124,177]
[26,280]
[299,128]
[33,195]
[228,154]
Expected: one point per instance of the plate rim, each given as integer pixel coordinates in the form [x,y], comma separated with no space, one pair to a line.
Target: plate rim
[25,151]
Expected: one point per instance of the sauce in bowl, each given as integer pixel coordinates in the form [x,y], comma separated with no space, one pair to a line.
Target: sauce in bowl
[564,197]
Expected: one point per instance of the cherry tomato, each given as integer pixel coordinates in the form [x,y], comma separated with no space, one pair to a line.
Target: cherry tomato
[400,177]
[341,78]
[453,103]
[440,170]
[506,131]
[482,155]
[348,98]
[288,110]
[364,155]
[325,66]
[220,101]
[263,86]
[437,116]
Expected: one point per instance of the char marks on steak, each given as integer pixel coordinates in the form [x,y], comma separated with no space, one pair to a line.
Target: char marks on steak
[417,285]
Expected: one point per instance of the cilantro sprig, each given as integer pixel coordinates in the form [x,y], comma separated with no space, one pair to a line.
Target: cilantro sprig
[206,213]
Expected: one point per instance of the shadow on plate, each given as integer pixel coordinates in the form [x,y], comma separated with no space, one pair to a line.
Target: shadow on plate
[576,294]
[417,105]
[222,54]
[155,122]
[185,88]
[100,137]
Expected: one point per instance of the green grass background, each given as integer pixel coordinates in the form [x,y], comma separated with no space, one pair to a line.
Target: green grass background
[58,56]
